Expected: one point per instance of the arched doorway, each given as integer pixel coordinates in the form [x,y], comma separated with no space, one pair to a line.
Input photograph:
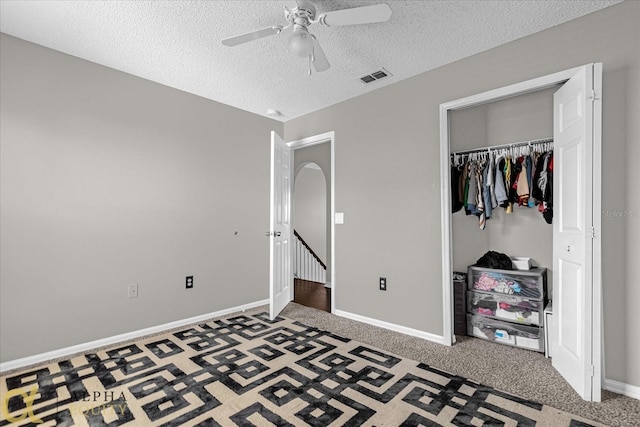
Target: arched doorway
[310,238]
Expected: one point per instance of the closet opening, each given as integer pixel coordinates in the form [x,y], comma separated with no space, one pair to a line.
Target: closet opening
[503,213]
[560,238]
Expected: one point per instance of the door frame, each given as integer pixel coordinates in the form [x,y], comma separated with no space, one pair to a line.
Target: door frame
[509,91]
[323,138]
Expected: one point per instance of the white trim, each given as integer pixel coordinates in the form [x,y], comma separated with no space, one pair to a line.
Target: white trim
[596,218]
[516,89]
[445,205]
[622,388]
[312,140]
[333,223]
[392,326]
[79,348]
[445,229]
[308,142]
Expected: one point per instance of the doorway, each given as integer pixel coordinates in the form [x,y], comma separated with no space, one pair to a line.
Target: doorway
[310,240]
[577,105]
[281,256]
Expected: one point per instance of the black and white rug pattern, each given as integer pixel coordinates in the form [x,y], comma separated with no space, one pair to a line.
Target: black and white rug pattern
[248,371]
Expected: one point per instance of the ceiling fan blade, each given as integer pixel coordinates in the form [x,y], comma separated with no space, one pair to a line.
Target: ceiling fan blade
[357,15]
[319,59]
[254,35]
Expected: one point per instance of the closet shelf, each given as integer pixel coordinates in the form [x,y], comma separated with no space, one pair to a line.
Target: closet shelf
[505,146]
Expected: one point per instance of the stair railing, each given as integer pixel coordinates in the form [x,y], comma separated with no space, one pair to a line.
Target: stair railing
[307,264]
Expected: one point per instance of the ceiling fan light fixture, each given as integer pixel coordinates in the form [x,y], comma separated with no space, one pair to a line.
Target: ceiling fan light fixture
[300,14]
[301,43]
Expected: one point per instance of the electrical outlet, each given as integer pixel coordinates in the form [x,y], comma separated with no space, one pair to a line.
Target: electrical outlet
[133,290]
[189,282]
[383,283]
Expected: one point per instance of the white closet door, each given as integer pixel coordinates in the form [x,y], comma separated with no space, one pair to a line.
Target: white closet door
[573,299]
[280,271]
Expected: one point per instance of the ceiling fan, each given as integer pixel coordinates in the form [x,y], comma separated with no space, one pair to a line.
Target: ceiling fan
[303,14]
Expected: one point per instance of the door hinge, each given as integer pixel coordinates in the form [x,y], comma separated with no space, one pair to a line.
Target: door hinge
[592,370]
[593,232]
[594,96]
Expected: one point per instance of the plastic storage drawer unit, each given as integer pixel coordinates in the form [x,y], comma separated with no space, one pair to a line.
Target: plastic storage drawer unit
[528,337]
[506,307]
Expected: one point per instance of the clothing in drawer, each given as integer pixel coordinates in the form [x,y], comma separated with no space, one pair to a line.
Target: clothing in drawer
[522,284]
[522,336]
[505,307]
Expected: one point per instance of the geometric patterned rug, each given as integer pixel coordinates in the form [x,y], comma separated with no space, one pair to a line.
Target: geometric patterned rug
[248,371]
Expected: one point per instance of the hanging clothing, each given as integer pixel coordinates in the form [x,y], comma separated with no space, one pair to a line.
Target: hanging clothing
[456,174]
[465,192]
[522,189]
[529,165]
[473,190]
[487,189]
[499,179]
[508,182]
[543,185]
[480,208]
[485,181]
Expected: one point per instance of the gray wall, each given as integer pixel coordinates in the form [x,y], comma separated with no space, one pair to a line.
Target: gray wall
[320,154]
[107,180]
[310,209]
[524,232]
[388,182]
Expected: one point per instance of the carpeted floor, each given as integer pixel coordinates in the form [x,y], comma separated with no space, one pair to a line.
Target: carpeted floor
[524,373]
[243,370]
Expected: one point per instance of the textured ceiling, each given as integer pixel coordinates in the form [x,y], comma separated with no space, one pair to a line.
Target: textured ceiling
[177,43]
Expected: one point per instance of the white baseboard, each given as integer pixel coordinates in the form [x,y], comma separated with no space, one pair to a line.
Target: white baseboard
[622,388]
[391,326]
[79,348]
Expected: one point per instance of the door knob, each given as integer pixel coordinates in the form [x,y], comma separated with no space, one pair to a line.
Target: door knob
[568,248]
[278,234]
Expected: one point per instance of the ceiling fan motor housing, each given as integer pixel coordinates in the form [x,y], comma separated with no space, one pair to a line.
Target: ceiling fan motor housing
[305,10]
[300,42]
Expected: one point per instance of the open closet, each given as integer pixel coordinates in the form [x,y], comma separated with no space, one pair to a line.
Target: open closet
[559,117]
[500,130]
[502,200]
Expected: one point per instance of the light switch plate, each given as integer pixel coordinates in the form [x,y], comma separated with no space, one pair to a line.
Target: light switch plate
[339,217]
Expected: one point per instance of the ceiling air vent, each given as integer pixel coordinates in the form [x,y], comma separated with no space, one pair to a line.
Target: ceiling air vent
[376,75]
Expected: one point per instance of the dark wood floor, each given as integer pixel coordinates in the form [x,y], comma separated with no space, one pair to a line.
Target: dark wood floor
[312,294]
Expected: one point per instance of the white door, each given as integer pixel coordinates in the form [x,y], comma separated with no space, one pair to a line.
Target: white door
[576,318]
[280,271]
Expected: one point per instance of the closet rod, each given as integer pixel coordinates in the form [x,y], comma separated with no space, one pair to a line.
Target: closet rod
[498,147]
